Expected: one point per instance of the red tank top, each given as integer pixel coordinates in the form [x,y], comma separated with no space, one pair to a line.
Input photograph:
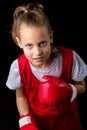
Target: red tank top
[31,84]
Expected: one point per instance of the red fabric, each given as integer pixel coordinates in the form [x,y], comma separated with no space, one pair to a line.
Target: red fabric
[29,127]
[60,116]
[67,62]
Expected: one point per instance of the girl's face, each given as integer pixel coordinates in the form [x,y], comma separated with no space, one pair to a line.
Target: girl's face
[36,45]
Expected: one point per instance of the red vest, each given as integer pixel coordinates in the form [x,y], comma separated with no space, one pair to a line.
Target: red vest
[31,84]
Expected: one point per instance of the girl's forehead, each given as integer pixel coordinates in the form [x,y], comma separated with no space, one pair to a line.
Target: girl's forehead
[33,34]
[24,26]
[33,30]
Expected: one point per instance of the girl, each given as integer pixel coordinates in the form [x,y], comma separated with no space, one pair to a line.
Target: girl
[47,79]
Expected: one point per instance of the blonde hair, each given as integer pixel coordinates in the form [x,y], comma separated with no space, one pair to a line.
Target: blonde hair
[31,14]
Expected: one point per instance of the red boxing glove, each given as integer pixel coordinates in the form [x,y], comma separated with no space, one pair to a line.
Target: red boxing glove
[26,123]
[55,90]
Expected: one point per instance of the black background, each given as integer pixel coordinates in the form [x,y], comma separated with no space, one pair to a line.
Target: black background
[68,21]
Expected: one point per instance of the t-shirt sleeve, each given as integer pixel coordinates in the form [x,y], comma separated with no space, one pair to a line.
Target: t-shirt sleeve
[14,80]
[79,70]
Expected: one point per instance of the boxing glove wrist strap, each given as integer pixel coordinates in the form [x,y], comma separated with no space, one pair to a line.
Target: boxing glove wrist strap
[74,94]
[24,120]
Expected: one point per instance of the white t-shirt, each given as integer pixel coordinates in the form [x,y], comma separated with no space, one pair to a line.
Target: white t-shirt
[79,71]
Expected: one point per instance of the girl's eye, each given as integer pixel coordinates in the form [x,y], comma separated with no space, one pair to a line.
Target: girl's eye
[29,46]
[43,43]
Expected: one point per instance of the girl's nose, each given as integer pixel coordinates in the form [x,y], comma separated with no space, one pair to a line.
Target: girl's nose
[37,51]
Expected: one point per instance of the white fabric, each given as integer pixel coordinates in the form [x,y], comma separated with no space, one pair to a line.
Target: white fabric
[14,79]
[24,121]
[79,71]
[74,94]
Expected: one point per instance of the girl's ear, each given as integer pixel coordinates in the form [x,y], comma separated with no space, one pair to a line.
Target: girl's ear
[18,42]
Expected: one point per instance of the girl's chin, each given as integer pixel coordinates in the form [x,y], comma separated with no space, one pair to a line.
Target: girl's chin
[39,65]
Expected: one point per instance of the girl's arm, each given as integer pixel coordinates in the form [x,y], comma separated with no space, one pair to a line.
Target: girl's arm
[22,101]
[26,121]
[80,86]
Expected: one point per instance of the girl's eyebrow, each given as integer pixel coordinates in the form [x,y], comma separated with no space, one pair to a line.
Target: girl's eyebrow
[28,44]
[42,41]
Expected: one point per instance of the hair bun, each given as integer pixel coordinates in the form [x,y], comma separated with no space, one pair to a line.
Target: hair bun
[35,6]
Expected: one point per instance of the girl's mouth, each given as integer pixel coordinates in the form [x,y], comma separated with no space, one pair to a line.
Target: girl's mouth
[39,59]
